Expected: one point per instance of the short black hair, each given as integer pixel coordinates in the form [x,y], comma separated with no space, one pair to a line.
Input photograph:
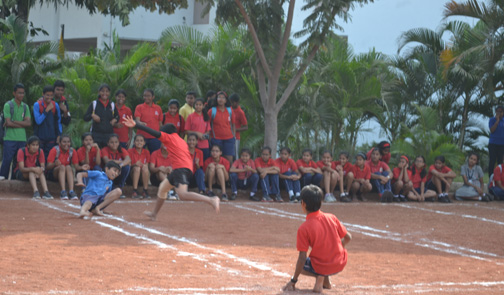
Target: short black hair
[193,93]
[149,90]
[210,93]
[307,151]
[288,150]
[104,85]
[234,97]
[137,136]
[32,139]
[59,83]
[86,134]
[47,88]
[168,128]
[440,158]
[266,148]
[345,153]
[112,164]
[246,150]
[18,86]
[192,135]
[312,196]
[65,136]
[121,91]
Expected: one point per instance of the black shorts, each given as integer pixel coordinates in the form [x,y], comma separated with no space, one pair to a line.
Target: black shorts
[180,176]
[19,175]
[430,186]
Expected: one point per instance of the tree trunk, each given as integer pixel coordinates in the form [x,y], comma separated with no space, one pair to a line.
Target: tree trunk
[465,115]
[271,130]
[23,9]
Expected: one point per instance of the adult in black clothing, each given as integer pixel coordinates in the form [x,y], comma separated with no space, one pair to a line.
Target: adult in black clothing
[104,115]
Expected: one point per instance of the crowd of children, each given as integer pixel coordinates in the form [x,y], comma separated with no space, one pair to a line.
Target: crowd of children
[210,127]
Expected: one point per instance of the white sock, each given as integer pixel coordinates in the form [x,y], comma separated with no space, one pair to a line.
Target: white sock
[252,194]
[291,193]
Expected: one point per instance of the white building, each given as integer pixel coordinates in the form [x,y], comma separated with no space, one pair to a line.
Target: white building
[83,31]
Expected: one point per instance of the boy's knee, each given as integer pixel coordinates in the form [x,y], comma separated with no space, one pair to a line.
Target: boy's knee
[117,191]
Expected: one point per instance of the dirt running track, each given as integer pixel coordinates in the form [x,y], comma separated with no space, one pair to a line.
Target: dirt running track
[249,248]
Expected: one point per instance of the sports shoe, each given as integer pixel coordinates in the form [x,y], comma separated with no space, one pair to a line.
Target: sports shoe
[402,198]
[210,194]
[360,197]
[431,199]
[388,195]
[2,178]
[267,199]
[47,196]
[346,199]
[63,195]
[485,198]
[329,198]
[72,195]
[396,199]
[145,194]
[254,198]
[232,197]
[224,198]
[36,195]
[135,195]
[442,199]
[278,198]
[447,198]
[122,197]
[172,196]
[491,195]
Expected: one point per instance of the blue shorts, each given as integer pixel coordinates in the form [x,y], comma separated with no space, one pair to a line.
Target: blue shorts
[418,190]
[227,146]
[309,268]
[96,200]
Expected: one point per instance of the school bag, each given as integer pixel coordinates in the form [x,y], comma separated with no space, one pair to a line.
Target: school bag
[2,119]
[58,151]
[94,108]
[37,162]
[214,113]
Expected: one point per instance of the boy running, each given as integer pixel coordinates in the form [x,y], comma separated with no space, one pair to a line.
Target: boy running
[182,164]
[326,236]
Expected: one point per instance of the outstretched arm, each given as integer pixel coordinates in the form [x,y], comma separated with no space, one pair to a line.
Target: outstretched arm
[129,122]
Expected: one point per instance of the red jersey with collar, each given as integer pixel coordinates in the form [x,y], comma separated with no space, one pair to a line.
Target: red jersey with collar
[321,164]
[443,170]
[81,154]
[143,156]
[176,120]
[238,164]
[364,173]
[239,119]
[64,157]
[198,154]
[152,115]
[259,163]
[385,158]
[322,232]
[159,160]
[178,151]
[377,168]
[289,166]
[123,132]
[347,168]
[118,156]
[397,171]
[416,179]
[196,122]
[301,163]
[221,124]
[31,159]
[222,161]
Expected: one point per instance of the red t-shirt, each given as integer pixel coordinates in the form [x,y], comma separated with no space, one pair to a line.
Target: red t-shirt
[178,151]
[443,170]
[159,160]
[385,158]
[143,157]
[176,120]
[196,122]
[123,132]
[322,232]
[364,173]
[238,164]
[222,161]
[259,163]
[81,154]
[416,179]
[31,159]
[498,175]
[322,165]
[239,119]
[378,168]
[106,152]
[221,124]
[198,154]
[64,157]
[151,115]
[397,171]
[301,163]
[290,165]
[347,168]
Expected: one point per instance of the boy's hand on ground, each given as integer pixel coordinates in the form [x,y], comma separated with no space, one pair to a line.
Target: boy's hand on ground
[290,287]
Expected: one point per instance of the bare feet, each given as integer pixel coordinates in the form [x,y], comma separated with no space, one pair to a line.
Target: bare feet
[327,284]
[151,215]
[85,215]
[216,204]
[98,212]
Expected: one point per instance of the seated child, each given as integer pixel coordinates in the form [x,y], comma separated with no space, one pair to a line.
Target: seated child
[419,178]
[89,154]
[345,170]
[98,192]
[384,148]
[330,176]
[440,178]
[268,176]
[380,176]
[173,117]
[160,167]
[362,176]
[472,174]
[31,166]
[401,180]
[198,177]
[140,159]
[289,173]
[496,183]
[114,152]
[216,171]
[243,174]
[311,173]
[59,167]
[324,234]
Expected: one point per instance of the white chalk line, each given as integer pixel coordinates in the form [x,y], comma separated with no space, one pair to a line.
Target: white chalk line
[382,234]
[452,214]
[141,290]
